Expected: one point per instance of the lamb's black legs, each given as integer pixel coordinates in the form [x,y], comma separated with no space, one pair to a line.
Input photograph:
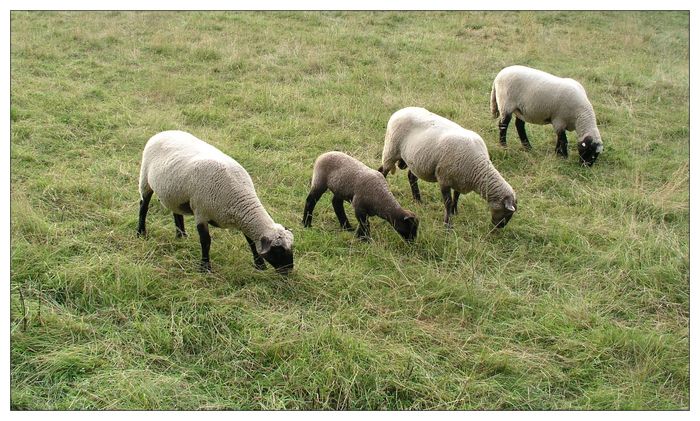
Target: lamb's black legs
[311,200]
[454,202]
[447,199]
[413,181]
[257,259]
[205,241]
[362,225]
[503,128]
[340,213]
[520,126]
[179,225]
[143,210]
[561,148]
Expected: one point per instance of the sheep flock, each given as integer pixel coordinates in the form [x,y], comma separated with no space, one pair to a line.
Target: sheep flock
[192,177]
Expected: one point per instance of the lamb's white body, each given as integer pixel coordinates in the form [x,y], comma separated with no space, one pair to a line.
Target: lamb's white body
[438,150]
[538,97]
[190,176]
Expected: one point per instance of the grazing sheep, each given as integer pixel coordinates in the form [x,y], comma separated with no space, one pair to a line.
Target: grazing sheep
[538,97]
[437,149]
[192,177]
[351,180]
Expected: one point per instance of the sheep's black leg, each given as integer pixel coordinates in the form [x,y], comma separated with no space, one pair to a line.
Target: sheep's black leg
[311,200]
[340,213]
[520,126]
[205,241]
[362,225]
[413,181]
[257,259]
[447,199]
[562,143]
[179,225]
[143,210]
[454,202]
[503,128]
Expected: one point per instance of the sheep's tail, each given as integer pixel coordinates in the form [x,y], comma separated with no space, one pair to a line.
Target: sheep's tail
[144,187]
[388,152]
[494,104]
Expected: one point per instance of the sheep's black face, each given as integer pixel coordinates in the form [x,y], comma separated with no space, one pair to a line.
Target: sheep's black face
[501,215]
[407,227]
[588,151]
[281,259]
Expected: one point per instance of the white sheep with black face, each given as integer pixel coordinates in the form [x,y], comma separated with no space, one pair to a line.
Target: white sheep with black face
[436,149]
[538,97]
[366,189]
[192,177]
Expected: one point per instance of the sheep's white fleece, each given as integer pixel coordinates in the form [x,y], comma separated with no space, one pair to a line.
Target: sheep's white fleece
[437,149]
[538,97]
[188,173]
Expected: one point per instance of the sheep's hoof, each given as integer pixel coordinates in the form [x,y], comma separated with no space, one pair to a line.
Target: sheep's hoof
[364,238]
[448,226]
[527,146]
[260,266]
[205,267]
[179,234]
[140,233]
[348,228]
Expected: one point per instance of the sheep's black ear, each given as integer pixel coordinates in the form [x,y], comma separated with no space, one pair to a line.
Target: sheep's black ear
[509,204]
[587,141]
[265,245]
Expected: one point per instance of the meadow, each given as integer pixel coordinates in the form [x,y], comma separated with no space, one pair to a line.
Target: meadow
[581,302]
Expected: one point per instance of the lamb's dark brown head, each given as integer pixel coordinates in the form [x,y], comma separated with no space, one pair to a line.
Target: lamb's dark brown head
[407,226]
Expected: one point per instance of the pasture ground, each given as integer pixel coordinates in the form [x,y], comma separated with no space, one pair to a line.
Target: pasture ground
[581,302]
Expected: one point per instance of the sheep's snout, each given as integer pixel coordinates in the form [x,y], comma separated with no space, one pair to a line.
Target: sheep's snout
[587,162]
[502,220]
[280,258]
[285,270]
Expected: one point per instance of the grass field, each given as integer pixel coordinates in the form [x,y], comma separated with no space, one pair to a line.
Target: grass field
[581,302]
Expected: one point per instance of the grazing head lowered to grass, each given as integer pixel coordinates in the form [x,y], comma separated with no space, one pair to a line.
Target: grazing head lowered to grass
[192,177]
[436,149]
[538,97]
[352,181]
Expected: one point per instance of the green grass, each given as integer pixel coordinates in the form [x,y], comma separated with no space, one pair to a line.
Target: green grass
[581,302]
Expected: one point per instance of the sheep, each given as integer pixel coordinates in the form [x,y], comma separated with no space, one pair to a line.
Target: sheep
[538,97]
[365,188]
[192,177]
[436,149]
